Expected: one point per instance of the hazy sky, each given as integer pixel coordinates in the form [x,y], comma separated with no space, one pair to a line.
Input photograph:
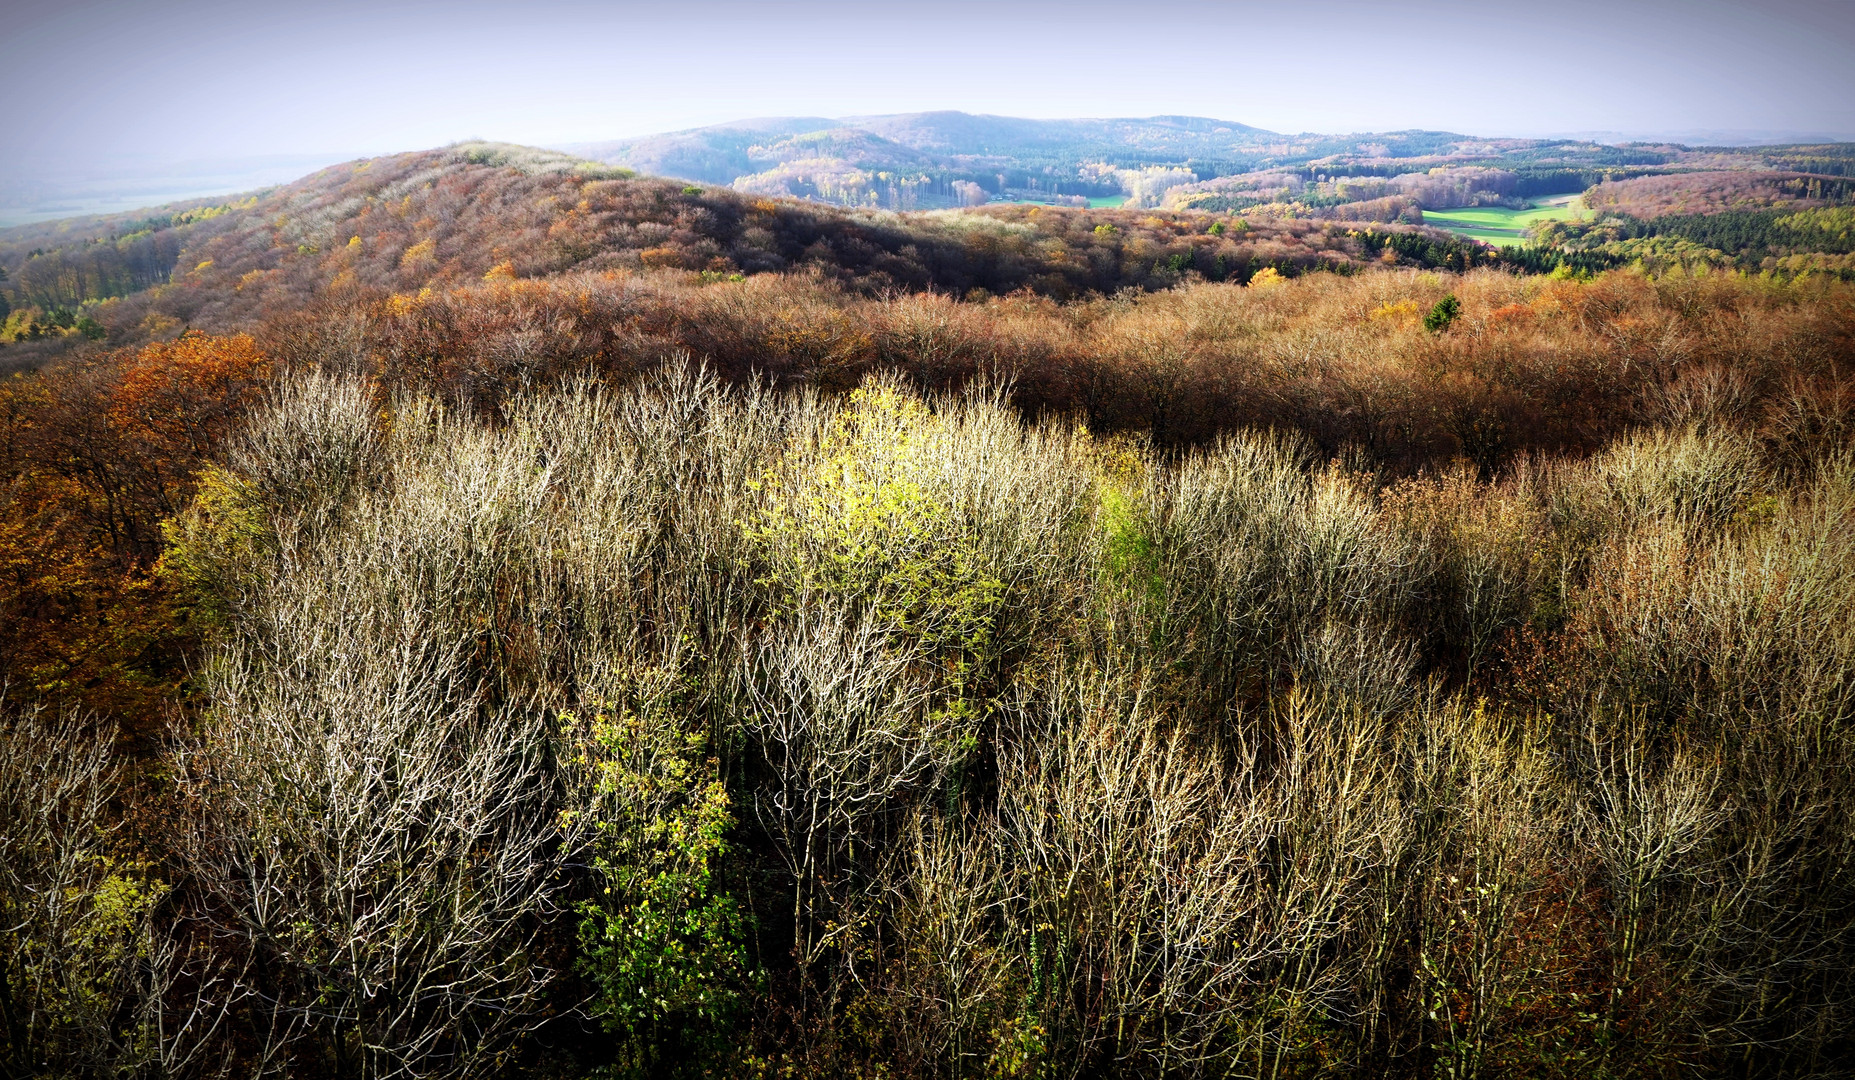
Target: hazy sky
[94,82]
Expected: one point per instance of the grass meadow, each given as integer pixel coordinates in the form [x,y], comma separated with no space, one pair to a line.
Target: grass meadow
[1500,226]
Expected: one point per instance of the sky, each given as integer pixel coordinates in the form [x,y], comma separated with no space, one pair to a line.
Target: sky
[117,88]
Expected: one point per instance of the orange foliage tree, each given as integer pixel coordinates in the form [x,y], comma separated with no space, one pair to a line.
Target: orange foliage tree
[93,456]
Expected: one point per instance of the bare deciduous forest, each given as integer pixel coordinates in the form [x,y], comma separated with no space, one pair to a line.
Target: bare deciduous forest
[424,661]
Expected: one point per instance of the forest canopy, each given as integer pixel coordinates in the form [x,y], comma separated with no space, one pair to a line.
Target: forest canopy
[481,613]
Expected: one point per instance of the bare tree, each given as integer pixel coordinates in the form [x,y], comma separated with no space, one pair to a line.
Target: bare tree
[75,915]
[846,733]
[377,829]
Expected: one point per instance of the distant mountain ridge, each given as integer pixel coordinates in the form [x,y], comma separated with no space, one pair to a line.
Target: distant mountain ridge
[943,140]
[947,158]
[958,133]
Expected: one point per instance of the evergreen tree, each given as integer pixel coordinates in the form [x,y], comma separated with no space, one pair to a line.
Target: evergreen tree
[1445,312]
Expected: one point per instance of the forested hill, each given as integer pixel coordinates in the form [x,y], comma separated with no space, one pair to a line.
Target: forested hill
[941,159]
[724,152]
[399,224]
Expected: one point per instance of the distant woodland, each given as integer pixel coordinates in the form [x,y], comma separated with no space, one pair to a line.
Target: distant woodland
[922,161]
[385,226]
[487,613]
[1223,202]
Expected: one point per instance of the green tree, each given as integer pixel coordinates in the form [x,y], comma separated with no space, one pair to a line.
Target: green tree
[1446,311]
[661,940]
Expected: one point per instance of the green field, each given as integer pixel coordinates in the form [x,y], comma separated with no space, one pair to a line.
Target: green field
[1500,226]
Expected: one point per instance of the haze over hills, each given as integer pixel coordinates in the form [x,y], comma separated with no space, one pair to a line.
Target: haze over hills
[51,190]
[947,158]
[927,154]
[928,160]
[957,135]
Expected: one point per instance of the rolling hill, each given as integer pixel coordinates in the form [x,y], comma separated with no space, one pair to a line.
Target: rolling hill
[925,154]
[943,159]
[822,196]
[376,227]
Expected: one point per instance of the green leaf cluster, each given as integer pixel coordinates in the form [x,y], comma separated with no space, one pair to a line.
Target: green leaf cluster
[214,543]
[662,940]
[860,517]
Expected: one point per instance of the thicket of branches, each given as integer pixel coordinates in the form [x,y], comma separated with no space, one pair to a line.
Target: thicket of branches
[1535,363]
[521,680]
[99,451]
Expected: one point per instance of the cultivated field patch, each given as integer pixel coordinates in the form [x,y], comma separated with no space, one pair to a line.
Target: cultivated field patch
[1499,225]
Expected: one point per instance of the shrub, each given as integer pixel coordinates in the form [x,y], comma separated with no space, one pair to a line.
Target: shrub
[79,943]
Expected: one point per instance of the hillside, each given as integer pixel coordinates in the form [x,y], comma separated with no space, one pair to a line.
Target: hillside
[368,229]
[217,263]
[1181,163]
[712,155]
[1717,192]
[1152,140]
[372,228]
[950,140]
